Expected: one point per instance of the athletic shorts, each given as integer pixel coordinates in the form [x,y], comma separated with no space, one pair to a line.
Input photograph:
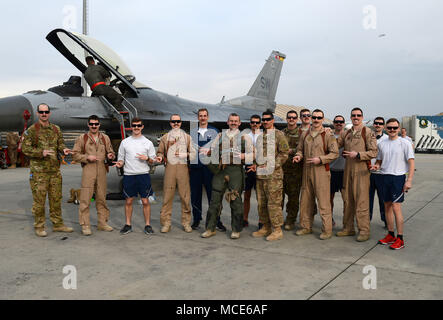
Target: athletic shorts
[393,188]
[336,181]
[251,178]
[137,184]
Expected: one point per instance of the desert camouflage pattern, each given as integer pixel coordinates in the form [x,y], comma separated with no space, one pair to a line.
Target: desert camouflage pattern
[269,198]
[292,172]
[272,151]
[49,138]
[43,184]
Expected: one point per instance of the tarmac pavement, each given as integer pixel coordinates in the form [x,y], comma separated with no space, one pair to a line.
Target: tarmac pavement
[179,265]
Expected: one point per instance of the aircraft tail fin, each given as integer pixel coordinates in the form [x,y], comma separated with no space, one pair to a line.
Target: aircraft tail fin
[265,86]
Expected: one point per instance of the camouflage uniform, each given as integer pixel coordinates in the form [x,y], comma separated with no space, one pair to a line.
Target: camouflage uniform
[272,150]
[12,140]
[45,177]
[292,177]
[228,174]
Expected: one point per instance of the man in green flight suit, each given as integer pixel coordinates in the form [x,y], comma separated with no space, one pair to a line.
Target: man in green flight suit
[43,143]
[95,76]
[292,171]
[229,152]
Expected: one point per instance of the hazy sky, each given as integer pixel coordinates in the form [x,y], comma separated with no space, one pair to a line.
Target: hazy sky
[203,50]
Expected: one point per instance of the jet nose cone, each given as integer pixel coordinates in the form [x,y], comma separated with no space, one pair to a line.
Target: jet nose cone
[11,113]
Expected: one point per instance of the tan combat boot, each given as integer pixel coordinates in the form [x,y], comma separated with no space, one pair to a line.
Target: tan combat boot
[235,235]
[40,232]
[165,228]
[303,232]
[62,228]
[105,227]
[345,233]
[12,166]
[325,235]
[208,233]
[187,228]
[277,234]
[363,237]
[263,232]
[289,226]
[72,198]
[86,230]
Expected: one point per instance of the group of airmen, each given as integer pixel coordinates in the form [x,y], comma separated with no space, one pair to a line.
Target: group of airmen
[308,163]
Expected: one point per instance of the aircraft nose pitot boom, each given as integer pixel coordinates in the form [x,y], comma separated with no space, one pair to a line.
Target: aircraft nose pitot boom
[12,110]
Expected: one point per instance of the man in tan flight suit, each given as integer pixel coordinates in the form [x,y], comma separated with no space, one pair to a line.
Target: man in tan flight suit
[12,140]
[360,146]
[318,149]
[174,150]
[272,152]
[91,150]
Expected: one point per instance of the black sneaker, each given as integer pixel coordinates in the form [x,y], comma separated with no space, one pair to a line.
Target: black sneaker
[126,229]
[245,223]
[195,225]
[149,230]
[221,227]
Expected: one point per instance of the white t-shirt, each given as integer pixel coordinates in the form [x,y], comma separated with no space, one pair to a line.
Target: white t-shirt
[202,131]
[373,160]
[408,139]
[254,136]
[395,155]
[128,150]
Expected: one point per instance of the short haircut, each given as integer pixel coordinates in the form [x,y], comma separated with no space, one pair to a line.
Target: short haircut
[43,104]
[393,120]
[93,117]
[136,119]
[201,110]
[339,116]
[380,118]
[305,110]
[291,111]
[357,108]
[268,113]
[255,116]
[89,59]
[175,114]
[403,128]
[234,115]
[318,110]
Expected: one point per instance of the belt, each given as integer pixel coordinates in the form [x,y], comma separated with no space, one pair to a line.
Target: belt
[97,84]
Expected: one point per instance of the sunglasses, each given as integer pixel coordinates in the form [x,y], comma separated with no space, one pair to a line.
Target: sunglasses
[94,124]
[305,115]
[44,112]
[392,128]
[379,123]
[316,118]
[291,118]
[255,122]
[339,121]
[137,125]
[175,121]
[356,115]
[266,119]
